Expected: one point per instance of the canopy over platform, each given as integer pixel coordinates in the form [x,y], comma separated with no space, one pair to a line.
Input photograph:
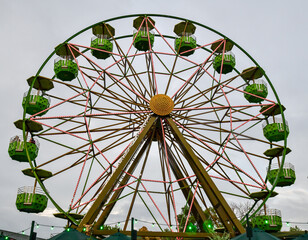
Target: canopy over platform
[31,126]
[41,173]
[262,194]
[269,110]
[252,73]
[103,29]
[276,151]
[184,27]
[138,21]
[41,83]
[228,46]
[64,50]
[63,216]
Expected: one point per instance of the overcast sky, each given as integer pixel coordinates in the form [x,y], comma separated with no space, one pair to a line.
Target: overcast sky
[274,32]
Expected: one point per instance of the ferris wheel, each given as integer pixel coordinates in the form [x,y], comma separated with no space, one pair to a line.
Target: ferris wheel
[141,115]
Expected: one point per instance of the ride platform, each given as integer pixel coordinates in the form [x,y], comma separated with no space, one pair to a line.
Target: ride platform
[269,222]
[102,44]
[17,150]
[35,104]
[258,89]
[286,176]
[227,61]
[275,132]
[28,200]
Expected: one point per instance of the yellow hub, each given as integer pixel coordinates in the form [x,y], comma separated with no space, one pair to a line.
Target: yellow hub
[161,104]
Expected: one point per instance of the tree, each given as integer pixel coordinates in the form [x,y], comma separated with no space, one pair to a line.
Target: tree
[192,226]
[240,209]
[183,216]
[295,229]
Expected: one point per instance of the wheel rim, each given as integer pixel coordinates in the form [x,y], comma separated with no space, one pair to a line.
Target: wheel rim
[133,118]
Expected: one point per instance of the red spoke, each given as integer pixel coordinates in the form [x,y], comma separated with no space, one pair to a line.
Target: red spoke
[91,115]
[135,36]
[242,183]
[78,66]
[123,186]
[114,77]
[254,167]
[219,154]
[71,134]
[252,118]
[95,182]
[163,38]
[156,206]
[101,153]
[81,172]
[82,204]
[221,107]
[191,204]
[169,174]
[201,66]
[58,104]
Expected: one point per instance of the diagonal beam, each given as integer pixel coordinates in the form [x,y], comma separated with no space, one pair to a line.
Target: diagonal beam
[102,198]
[196,209]
[105,213]
[226,215]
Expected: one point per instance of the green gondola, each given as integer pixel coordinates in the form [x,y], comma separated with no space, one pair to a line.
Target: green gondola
[17,149]
[101,44]
[30,200]
[65,67]
[185,41]
[36,103]
[285,178]
[224,62]
[269,221]
[256,91]
[275,130]
[143,36]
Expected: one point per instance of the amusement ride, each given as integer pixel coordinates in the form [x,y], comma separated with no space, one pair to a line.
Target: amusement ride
[142,115]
